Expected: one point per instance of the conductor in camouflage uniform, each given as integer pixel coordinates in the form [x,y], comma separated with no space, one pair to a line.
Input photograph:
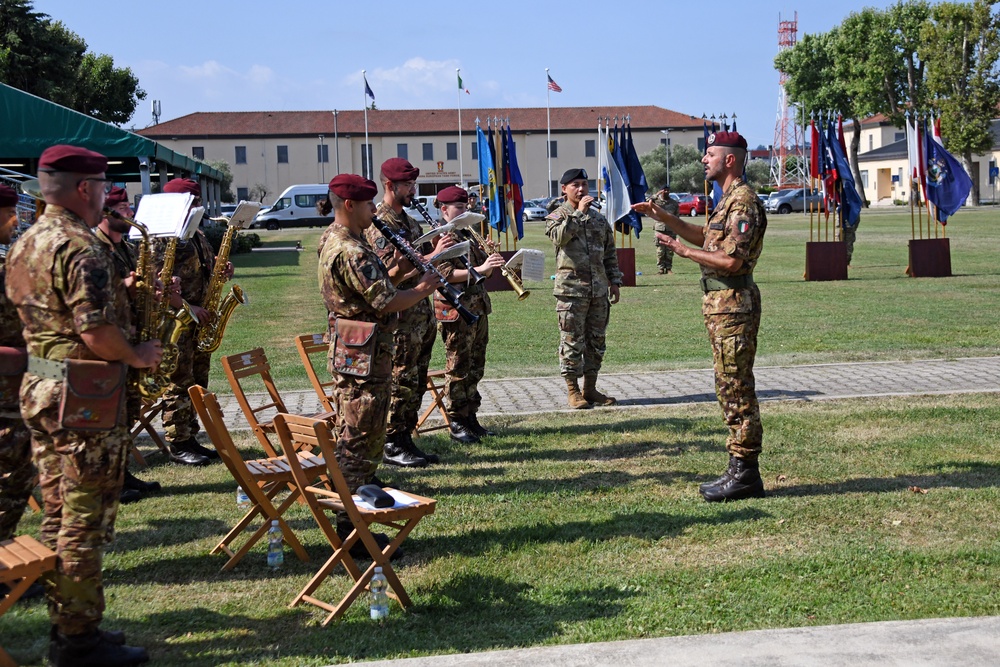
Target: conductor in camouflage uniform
[729,246]
[464,344]
[664,255]
[73,306]
[415,334]
[357,288]
[17,474]
[587,283]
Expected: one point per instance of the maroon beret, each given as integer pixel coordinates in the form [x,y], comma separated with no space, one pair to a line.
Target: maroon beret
[72,159]
[8,196]
[453,195]
[398,169]
[732,139]
[353,187]
[116,196]
[183,185]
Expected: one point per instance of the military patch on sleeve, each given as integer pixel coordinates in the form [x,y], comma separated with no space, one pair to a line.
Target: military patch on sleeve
[743,226]
[381,242]
[717,226]
[370,271]
[99,278]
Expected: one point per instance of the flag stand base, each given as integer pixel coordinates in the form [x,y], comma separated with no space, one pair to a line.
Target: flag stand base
[626,264]
[930,258]
[826,260]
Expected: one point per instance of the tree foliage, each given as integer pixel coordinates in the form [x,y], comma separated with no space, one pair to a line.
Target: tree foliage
[43,57]
[226,184]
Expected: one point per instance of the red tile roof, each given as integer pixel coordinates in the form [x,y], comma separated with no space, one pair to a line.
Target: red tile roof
[406,122]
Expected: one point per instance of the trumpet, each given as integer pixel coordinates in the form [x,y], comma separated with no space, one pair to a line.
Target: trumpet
[474,276]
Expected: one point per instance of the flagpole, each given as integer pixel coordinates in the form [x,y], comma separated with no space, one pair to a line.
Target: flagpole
[364,149]
[548,133]
[461,168]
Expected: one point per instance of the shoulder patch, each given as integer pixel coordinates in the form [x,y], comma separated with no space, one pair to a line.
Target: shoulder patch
[100,278]
[717,226]
[554,215]
[370,271]
[381,242]
[743,226]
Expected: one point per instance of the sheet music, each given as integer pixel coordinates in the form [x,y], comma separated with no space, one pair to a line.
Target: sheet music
[468,219]
[191,223]
[402,500]
[163,214]
[532,263]
[244,213]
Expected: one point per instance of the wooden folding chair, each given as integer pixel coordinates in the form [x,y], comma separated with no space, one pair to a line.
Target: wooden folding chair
[308,345]
[254,363]
[22,560]
[295,432]
[435,387]
[262,479]
[149,412]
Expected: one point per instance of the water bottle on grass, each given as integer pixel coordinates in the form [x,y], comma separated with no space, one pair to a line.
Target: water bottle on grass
[275,546]
[379,588]
[242,499]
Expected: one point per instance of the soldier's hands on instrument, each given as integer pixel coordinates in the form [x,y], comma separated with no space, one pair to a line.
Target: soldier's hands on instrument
[201,314]
[130,281]
[230,270]
[494,261]
[147,354]
[444,241]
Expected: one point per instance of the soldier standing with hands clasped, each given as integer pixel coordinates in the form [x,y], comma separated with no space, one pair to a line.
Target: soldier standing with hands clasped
[730,244]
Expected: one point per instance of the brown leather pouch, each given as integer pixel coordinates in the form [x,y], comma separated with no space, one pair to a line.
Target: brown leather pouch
[93,395]
[13,363]
[444,311]
[354,347]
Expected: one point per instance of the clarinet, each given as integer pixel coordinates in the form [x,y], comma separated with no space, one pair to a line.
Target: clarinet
[474,276]
[445,289]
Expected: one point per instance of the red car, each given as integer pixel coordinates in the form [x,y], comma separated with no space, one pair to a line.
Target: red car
[695,205]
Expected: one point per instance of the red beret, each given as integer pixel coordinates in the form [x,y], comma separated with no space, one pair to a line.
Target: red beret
[353,187]
[72,159]
[8,196]
[453,195]
[732,139]
[183,185]
[116,196]
[398,169]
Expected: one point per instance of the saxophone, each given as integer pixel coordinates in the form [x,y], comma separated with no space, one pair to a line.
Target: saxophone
[490,246]
[211,332]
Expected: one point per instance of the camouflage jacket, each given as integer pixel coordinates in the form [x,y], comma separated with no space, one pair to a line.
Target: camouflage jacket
[193,264]
[586,260]
[410,230]
[10,324]
[63,282]
[474,297]
[124,258]
[668,204]
[736,227]
[353,281]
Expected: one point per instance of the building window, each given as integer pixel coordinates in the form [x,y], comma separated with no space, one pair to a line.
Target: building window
[701,144]
[241,155]
[451,149]
[403,151]
[899,136]
[864,178]
[871,141]
[322,153]
[553,148]
[282,154]
[198,152]
[592,184]
[993,166]
[428,151]
[590,148]
[366,158]
[475,151]
[242,194]
[554,188]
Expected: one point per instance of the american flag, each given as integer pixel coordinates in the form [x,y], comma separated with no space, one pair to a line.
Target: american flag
[553,86]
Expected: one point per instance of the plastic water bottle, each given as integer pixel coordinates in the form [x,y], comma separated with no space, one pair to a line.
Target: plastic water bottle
[242,499]
[379,588]
[275,546]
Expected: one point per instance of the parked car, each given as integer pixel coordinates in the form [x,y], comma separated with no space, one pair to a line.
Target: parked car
[786,201]
[532,211]
[694,205]
[296,207]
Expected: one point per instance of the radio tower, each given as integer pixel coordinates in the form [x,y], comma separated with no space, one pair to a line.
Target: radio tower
[788,141]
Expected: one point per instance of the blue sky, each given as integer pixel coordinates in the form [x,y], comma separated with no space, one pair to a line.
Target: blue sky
[221,55]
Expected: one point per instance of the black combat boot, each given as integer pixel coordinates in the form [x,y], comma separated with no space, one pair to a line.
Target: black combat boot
[192,445]
[721,480]
[126,496]
[462,432]
[93,649]
[179,453]
[358,549]
[742,480]
[395,453]
[134,483]
[479,429]
[413,449]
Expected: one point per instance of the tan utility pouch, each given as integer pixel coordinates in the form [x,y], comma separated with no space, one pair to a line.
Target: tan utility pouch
[93,395]
[444,311]
[13,363]
[354,347]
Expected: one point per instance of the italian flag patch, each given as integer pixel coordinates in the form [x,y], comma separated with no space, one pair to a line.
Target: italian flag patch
[743,226]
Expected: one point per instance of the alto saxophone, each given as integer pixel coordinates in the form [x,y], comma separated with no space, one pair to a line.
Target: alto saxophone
[211,332]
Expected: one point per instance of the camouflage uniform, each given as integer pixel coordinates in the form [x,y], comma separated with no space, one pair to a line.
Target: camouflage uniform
[63,282]
[355,285]
[414,337]
[17,473]
[664,255]
[732,316]
[586,265]
[193,264]
[465,344]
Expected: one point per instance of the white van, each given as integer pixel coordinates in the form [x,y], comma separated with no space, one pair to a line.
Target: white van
[296,207]
[429,202]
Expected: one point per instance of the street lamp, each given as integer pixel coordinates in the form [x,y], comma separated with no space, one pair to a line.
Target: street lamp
[336,140]
[322,161]
[666,146]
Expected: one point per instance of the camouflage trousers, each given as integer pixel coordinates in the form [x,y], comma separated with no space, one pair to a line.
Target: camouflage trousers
[465,364]
[179,419]
[734,346]
[17,473]
[849,234]
[414,342]
[582,325]
[81,478]
[664,255]
[362,405]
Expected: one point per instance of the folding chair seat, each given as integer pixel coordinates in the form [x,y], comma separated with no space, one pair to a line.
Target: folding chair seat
[314,344]
[262,479]
[435,387]
[239,367]
[22,560]
[296,432]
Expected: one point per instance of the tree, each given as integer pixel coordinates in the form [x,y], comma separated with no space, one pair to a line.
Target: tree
[226,184]
[258,192]
[43,57]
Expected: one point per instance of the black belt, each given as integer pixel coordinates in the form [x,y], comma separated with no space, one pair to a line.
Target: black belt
[717,283]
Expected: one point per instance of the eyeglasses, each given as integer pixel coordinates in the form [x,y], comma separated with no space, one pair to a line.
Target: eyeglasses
[108,183]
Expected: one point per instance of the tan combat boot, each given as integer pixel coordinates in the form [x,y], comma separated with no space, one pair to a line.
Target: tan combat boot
[591,394]
[576,399]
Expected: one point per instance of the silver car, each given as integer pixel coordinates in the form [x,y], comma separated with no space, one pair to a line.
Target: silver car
[532,211]
[787,201]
